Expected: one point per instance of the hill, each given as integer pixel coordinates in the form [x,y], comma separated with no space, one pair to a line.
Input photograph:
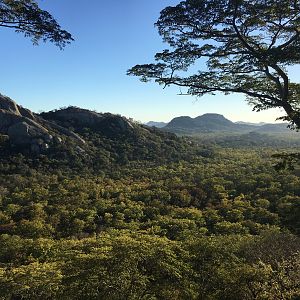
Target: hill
[218,123]
[156,124]
[84,139]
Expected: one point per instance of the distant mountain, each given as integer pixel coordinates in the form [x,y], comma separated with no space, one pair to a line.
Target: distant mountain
[269,128]
[156,124]
[250,123]
[184,122]
[211,122]
[205,123]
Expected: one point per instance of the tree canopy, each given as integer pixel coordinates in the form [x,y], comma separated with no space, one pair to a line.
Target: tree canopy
[26,17]
[246,46]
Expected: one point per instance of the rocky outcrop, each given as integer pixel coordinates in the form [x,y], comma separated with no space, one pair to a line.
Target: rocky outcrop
[8,105]
[75,117]
[82,117]
[22,133]
[64,131]
[30,131]
[38,132]
[80,139]
[21,126]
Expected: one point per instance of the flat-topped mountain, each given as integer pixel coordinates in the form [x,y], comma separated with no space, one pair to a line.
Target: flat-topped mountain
[205,123]
[211,122]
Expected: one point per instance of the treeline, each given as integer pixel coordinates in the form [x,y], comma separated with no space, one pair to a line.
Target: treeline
[250,140]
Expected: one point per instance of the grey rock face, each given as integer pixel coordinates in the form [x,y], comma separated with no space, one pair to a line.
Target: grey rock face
[21,125]
[23,133]
[124,124]
[66,132]
[19,133]
[9,105]
[26,113]
[7,118]
[31,131]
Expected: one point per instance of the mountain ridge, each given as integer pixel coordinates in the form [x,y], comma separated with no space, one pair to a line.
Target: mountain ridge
[213,122]
[80,138]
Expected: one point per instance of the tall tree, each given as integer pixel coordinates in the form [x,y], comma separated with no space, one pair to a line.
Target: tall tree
[25,16]
[247,46]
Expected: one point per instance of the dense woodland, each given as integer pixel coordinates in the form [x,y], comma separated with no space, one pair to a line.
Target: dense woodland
[217,223]
[142,214]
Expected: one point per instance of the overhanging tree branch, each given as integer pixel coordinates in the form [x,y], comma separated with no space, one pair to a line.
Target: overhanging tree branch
[26,17]
[246,46]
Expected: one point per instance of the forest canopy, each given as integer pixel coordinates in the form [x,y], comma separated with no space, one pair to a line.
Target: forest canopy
[112,209]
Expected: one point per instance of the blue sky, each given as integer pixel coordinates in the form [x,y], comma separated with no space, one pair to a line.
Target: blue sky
[110,37]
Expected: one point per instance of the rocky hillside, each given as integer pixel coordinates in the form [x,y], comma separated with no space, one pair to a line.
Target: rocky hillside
[29,131]
[107,124]
[85,139]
